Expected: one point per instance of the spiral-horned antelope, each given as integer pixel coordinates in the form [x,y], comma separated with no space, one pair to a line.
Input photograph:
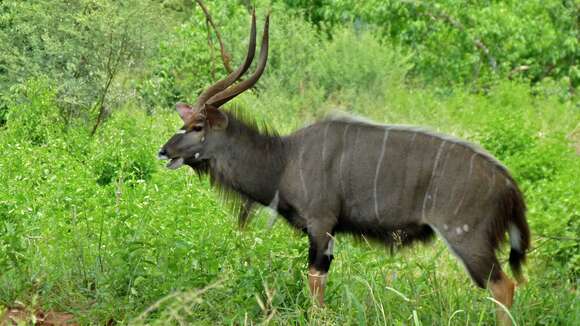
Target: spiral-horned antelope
[394,184]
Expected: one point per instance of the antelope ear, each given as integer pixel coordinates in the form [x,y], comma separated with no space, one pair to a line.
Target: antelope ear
[185,111]
[216,118]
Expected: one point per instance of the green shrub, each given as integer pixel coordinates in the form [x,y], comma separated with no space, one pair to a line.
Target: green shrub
[84,47]
[454,42]
[123,151]
[555,217]
[543,161]
[35,116]
[356,62]
[12,241]
[506,136]
[3,112]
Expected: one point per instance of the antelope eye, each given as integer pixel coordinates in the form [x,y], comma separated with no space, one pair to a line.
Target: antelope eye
[197,128]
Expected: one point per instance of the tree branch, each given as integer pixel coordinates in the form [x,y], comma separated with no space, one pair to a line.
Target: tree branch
[210,46]
[111,67]
[226,57]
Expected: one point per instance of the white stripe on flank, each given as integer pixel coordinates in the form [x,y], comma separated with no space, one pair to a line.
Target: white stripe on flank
[491,184]
[324,144]
[468,177]
[322,163]
[442,169]
[379,163]
[427,191]
[342,158]
[301,172]
[351,168]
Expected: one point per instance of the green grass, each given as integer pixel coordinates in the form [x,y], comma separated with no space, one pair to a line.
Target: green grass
[170,237]
[182,241]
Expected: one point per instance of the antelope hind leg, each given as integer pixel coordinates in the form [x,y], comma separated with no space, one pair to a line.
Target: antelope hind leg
[482,265]
[503,291]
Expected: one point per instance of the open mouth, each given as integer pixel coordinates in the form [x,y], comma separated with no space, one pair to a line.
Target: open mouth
[175,163]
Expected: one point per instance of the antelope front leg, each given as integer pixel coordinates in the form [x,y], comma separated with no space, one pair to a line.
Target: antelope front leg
[319,259]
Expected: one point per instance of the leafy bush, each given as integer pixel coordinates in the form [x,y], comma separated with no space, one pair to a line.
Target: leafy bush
[12,242]
[123,151]
[544,161]
[3,112]
[454,42]
[34,117]
[355,62]
[506,136]
[557,226]
[82,46]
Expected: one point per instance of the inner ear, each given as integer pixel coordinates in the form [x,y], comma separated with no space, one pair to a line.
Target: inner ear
[216,118]
[185,111]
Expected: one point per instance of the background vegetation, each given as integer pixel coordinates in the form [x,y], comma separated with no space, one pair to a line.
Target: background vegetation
[93,225]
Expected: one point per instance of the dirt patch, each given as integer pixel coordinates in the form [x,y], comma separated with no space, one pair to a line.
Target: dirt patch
[19,316]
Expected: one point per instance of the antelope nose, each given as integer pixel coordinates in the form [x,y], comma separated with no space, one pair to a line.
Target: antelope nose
[162,155]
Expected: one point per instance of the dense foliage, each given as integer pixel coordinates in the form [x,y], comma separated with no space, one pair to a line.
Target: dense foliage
[458,41]
[95,226]
[82,46]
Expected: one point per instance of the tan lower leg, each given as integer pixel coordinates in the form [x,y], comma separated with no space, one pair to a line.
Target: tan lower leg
[317,282]
[503,291]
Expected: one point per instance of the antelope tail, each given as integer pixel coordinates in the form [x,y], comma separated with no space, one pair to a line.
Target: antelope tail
[519,233]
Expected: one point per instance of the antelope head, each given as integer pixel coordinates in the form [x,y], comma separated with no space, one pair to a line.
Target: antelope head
[204,124]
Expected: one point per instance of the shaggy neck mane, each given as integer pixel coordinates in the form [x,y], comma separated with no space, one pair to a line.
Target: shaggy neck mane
[251,163]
